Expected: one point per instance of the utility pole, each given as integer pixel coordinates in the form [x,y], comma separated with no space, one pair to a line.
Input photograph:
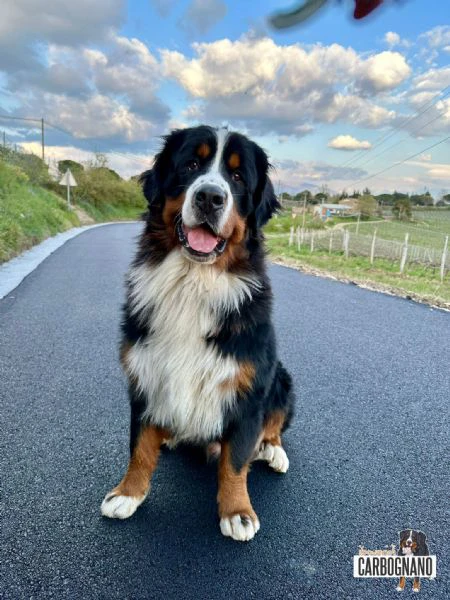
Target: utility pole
[42,139]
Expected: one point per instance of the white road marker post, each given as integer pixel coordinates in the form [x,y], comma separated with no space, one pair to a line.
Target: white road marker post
[444,258]
[372,247]
[404,253]
[69,181]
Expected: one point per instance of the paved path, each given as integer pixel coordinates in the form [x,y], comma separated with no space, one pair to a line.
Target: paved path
[368,451]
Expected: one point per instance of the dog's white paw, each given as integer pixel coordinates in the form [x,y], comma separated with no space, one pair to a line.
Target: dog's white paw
[120,507]
[239,527]
[399,589]
[416,589]
[275,456]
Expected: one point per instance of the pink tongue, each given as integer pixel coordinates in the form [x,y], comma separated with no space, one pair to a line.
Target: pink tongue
[201,240]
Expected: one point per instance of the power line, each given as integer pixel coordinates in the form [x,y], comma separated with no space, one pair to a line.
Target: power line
[379,141]
[68,133]
[399,142]
[20,118]
[403,161]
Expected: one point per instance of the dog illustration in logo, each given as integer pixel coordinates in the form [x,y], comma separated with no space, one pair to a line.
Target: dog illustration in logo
[412,543]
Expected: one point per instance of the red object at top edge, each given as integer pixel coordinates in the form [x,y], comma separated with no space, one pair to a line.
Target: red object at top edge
[365,7]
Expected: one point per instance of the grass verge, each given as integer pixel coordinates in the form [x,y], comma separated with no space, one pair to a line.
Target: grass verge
[417,282]
[28,215]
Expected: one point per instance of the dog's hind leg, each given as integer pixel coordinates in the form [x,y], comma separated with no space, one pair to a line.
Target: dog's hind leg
[270,448]
[276,421]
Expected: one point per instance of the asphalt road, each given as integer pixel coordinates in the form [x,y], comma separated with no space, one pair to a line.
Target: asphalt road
[368,450]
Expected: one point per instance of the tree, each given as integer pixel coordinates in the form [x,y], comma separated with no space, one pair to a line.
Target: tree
[367,206]
[320,197]
[402,209]
[286,196]
[75,167]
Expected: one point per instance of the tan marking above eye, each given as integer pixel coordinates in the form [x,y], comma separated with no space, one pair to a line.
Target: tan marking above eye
[234,161]
[204,150]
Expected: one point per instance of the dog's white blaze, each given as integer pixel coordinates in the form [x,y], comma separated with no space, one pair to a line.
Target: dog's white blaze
[212,176]
[178,372]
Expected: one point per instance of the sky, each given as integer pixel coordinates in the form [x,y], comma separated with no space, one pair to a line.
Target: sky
[336,103]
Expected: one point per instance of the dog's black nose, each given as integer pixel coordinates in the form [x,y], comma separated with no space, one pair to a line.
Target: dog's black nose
[210,198]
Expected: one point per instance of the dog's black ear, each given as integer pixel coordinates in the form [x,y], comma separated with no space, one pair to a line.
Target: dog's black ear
[149,188]
[265,200]
[154,180]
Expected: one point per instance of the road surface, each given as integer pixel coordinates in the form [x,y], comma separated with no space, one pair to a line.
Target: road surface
[368,450]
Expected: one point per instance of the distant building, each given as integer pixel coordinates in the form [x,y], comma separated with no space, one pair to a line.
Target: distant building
[325,211]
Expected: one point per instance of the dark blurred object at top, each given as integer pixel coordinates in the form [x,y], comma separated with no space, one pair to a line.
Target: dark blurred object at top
[309,7]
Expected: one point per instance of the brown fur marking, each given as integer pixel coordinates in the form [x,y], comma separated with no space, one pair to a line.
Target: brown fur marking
[144,459]
[232,495]
[401,583]
[204,150]
[242,381]
[272,428]
[234,162]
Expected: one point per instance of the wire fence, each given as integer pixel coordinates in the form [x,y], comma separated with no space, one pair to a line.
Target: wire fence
[351,244]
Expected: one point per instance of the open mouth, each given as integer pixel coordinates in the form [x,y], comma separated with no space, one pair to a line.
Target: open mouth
[200,242]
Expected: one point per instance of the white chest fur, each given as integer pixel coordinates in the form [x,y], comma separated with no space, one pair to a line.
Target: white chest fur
[180,374]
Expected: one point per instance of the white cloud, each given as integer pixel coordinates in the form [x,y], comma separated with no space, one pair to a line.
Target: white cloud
[96,94]
[391,38]
[202,15]
[437,37]
[348,142]
[433,79]
[281,89]
[125,164]
[384,71]
[64,22]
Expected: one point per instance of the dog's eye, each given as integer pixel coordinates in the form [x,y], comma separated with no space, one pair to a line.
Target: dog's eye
[236,176]
[193,165]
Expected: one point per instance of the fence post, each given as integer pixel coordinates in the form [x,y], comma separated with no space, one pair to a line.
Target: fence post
[312,241]
[404,253]
[330,245]
[291,236]
[444,258]
[372,247]
[346,242]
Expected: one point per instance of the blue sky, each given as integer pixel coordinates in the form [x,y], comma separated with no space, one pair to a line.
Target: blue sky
[115,75]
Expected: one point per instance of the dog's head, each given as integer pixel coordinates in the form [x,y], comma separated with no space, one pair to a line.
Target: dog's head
[413,542]
[209,190]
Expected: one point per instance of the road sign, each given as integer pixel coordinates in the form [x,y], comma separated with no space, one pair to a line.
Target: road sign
[69,181]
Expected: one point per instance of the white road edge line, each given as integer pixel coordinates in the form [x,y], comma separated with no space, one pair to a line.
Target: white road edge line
[13,272]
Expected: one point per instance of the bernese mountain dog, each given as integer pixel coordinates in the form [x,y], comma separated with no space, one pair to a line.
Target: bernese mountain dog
[412,543]
[198,341]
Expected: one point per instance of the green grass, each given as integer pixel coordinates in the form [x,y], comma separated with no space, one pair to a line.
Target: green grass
[427,229]
[28,213]
[420,282]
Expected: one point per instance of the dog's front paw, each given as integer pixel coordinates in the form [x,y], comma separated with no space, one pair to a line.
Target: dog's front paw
[117,506]
[399,588]
[240,527]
